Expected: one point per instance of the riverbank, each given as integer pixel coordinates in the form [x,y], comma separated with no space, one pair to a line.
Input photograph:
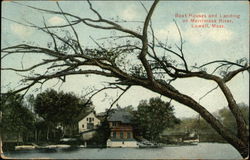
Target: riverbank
[200,151]
[11,146]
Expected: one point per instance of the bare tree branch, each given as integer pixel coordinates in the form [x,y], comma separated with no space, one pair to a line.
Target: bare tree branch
[181,46]
[71,26]
[232,74]
[100,90]
[144,51]
[90,6]
[210,91]
[221,61]
[65,73]
[124,91]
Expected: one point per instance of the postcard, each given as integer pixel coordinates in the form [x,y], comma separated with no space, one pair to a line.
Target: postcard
[124,80]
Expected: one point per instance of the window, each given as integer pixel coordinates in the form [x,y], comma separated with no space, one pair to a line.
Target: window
[83,126]
[91,119]
[121,135]
[87,119]
[128,135]
[90,125]
[113,123]
[114,134]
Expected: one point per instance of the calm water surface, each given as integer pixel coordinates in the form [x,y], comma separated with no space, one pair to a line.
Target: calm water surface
[200,151]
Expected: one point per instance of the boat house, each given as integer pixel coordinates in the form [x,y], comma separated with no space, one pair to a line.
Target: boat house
[121,130]
[87,126]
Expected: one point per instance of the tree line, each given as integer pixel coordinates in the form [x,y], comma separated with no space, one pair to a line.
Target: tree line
[53,115]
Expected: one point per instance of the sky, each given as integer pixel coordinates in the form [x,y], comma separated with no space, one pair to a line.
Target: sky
[229,40]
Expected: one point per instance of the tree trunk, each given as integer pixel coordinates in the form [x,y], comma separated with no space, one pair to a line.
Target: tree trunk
[242,130]
[54,134]
[234,140]
[1,143]
[36,136]
[47,136]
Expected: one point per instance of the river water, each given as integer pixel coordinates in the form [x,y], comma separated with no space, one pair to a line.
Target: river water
[200,151]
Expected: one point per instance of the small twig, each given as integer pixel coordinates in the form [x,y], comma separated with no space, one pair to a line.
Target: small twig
[100,90]
[181,46]
[221,61]
[208,93]
[73,29]
[90,6]
[97,43]
[124,91]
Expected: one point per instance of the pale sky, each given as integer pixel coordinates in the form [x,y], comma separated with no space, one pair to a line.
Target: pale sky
[201,45]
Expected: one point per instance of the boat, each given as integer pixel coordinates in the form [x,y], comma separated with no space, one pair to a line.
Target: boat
[57,146]
[191,141]
[147,144]
[53,148]
[46,148]
[25,147]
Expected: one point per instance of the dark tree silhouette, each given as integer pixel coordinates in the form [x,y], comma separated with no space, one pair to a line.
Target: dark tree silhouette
[155,65]
[60,108]
[152,117]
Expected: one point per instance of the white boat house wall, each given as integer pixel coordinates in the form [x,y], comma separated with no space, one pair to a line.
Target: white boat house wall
[88,125]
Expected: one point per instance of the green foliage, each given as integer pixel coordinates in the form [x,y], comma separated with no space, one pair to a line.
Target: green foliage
[228,120]
[16,118]
[102,134]
[205,131]
[129,108]
[59,108]
[200,127]
[153,117]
